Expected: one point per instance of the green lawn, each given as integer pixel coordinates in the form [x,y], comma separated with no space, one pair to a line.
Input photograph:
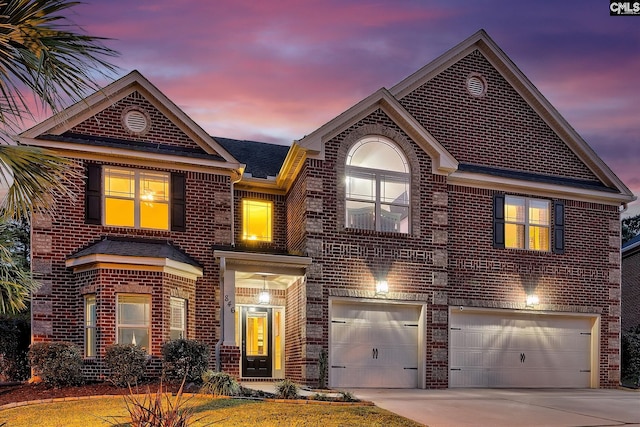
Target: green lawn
[218,412]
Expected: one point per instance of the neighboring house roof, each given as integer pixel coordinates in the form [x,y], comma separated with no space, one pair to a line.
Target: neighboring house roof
[631,245]
[262,160]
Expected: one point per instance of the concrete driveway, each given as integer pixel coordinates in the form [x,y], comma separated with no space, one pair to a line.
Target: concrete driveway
[510,407]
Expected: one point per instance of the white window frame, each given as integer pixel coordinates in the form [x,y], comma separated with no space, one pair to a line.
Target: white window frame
[378,175]
[527,221]
[90,321]
[180,304]
[137,173]
[147,326]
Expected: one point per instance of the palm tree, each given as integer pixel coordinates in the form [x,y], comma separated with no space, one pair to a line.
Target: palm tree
[43,56]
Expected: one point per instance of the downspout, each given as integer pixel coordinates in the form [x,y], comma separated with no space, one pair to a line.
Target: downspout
[623,208]
[223,269]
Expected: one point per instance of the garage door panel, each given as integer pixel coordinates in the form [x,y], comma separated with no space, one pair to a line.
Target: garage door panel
[378,348]
[491,349]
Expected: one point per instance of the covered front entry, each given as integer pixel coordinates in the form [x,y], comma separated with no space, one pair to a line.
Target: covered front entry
[490,348]
[261,341]
[375,344]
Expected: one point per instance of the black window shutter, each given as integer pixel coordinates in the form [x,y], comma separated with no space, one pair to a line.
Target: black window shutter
[498,221]
[93,194]
[178,202]
[558,227]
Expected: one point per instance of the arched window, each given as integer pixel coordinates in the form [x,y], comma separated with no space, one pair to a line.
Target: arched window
[377,186]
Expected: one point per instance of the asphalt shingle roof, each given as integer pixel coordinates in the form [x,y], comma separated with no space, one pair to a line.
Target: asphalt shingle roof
[136,248]
[262,159]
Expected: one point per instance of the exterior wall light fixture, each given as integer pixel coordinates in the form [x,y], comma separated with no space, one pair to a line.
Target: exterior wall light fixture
[382,287]
[263,296]
[532,300]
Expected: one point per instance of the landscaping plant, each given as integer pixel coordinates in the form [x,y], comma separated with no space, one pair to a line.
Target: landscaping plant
[219,384]
[57,363]
[159,410]
[185,359]
[287,389]
[126,364]
[15,337]
[631,356]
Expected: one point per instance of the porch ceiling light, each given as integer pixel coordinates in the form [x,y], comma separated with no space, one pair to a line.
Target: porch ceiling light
[532,300]
[382,287]
[264,297]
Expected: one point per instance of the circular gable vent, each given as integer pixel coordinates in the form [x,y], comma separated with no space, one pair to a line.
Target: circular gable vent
[476,85]
[135,121]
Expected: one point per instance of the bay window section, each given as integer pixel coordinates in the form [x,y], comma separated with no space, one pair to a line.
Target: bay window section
[90,320]
[178,319]
[134,320]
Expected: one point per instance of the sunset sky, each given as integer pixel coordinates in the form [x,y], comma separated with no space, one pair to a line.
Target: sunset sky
[273,71]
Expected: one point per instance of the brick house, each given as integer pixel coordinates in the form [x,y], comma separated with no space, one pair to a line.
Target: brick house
[631,284]
[451,231]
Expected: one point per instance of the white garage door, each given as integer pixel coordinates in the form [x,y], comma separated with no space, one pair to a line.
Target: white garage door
[374,345]
[489,349]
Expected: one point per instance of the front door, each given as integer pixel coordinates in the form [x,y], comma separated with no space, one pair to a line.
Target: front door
[256,342]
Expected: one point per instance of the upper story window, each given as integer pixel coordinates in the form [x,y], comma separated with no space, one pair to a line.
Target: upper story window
[135,198]
[257,220]
[528,223]
[377,186]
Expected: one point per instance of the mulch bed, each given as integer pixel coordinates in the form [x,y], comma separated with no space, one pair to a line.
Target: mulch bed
[13,393]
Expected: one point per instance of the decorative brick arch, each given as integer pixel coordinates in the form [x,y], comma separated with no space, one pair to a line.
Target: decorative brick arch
[407,148]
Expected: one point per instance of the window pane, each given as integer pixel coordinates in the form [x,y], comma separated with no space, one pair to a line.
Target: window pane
[119,212]
[256,221]
[514,236]
[360,215]
[394,219]
[394,190]
[135,336]
[178,318]
[514,208]
[539,212]
[154,215]
[377,153]
[133,310]
[90,327]
[539,238]
[119,183]
[154,187]
[361,186]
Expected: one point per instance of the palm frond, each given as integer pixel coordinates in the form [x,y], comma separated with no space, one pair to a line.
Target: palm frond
[39,179]
[42,50]
[16,283]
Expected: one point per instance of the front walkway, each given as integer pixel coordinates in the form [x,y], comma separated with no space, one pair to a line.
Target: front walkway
[510,407]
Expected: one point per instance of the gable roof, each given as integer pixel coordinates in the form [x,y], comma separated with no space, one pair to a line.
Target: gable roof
[543,108]
[54,133]
[613,191]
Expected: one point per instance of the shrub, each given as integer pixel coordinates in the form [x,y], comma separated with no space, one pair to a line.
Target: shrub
[15,337]
[347,396]
[323,365]
[185,359]
[126,364]
[321,396]
[287,389]
[631,356]
[219,384]
[57,363]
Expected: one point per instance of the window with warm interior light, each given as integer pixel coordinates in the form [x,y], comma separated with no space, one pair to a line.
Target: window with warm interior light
[133,321]
[527,223]
[134,198]
[377,186]
[178,318]
[90,320]
[257,220]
